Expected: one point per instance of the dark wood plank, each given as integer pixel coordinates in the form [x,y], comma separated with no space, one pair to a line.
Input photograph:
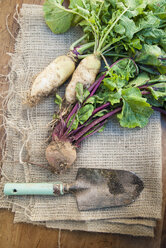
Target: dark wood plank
[26,235]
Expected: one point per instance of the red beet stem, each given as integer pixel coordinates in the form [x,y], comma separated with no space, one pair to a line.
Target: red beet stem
[95,131]
[95,122]
[96,85]
[68,129]
[94,112]
[145,92]
[161,110]
[148,85]
[74,110]
[101,108]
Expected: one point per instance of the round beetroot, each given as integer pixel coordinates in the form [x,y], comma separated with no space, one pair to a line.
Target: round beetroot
[60,155]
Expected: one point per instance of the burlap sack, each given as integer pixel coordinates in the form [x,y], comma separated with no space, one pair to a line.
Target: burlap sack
[128,226]
[22,216]
[93,226]
[98,226]
[138,150]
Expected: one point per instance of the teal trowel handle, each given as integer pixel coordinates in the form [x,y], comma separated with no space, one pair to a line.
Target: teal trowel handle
[34,188]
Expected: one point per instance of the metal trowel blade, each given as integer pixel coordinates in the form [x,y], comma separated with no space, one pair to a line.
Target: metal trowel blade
[102,188]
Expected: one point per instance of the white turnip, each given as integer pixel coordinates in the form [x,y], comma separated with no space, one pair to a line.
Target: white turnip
[54,75]
[85,73]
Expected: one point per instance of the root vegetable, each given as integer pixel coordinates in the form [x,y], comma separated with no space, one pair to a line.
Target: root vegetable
[54,75]
[60,155]
[85,73]
[93,109]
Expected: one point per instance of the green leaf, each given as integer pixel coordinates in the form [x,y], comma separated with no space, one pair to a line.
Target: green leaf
[148,21]
[142,79]
[101,113]
[154,36]
[153,102]
[81,93]
[85,112]
[149,69]
[91,100]
[86,93]
[56,16]
[162,68]
[126,68]
[158,7]
[99,98]
[152,55]
[119,29]
[163,41]
[136,6]
[114,97]
[136,111]
[75,122]
[158,90]
[129,25]
[58,100]
[105,13]
[74,3]
[136,43]
[120,73]
[82,11]
[109,83]
[161,78]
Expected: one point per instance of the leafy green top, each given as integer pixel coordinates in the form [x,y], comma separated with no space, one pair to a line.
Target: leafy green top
[135,27]
[123,86]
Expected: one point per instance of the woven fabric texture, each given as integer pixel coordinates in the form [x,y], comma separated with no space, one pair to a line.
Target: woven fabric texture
[137,150]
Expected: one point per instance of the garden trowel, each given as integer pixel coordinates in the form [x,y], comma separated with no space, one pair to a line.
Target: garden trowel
[93,188]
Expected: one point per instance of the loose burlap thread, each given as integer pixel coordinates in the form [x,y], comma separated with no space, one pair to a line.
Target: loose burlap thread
[137,150]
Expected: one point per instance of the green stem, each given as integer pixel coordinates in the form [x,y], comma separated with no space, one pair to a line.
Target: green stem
[102,34]
[108,45]
[105,61]
[77,42]
[108,31]
[155,80]
[82,56]
[115,54]
[97,38]
[85,47]
[111,48]
[96,44]
[101,6]
[162,26]
[93,29]
[159,13]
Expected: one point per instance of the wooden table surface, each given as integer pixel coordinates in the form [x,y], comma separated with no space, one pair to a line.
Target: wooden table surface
[30,236]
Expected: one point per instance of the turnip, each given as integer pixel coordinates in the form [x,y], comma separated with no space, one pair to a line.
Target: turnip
[85,73]
[54,75]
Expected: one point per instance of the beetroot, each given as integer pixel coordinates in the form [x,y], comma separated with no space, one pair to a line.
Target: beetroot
[61,152]
[60,155]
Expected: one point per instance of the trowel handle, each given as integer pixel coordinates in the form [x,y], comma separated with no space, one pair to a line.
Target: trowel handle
[57,188]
